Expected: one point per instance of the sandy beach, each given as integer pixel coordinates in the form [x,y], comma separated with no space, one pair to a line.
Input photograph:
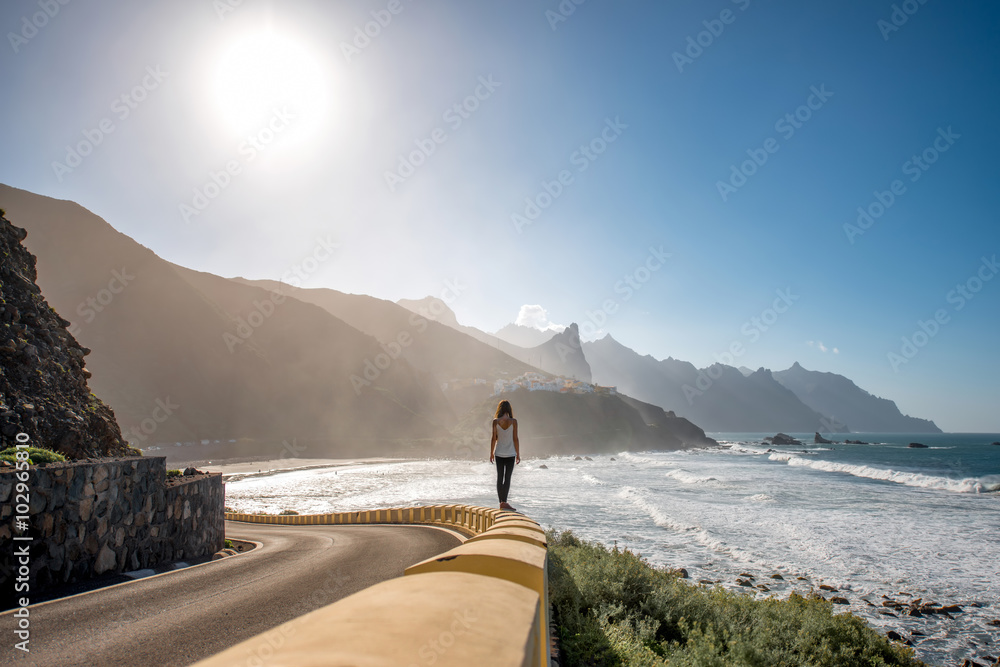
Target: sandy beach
[270,467]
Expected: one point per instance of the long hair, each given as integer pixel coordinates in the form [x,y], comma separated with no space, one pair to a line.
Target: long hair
[504,410]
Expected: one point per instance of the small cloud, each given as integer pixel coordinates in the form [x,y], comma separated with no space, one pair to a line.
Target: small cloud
[536,317]
[836,351]
[822,348]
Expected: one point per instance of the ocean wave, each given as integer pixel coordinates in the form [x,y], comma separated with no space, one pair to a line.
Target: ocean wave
[988,484]
[740,449]
[686,477]
[696,533]
[660,518]
[593,480]
[761,498]
[645,460]
[779,456]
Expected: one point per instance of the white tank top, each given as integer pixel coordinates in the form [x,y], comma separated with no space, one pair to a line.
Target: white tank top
[505,441]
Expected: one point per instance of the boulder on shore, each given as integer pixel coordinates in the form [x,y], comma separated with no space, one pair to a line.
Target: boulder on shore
[917,445]
[820,440]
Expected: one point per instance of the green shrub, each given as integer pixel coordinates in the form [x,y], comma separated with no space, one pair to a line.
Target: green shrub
[228,544]
[173,473]
[35,455]
[613,608]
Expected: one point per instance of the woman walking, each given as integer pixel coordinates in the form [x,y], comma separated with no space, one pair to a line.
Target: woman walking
[504,449]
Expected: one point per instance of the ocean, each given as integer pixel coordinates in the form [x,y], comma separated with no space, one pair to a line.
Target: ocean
[871,520]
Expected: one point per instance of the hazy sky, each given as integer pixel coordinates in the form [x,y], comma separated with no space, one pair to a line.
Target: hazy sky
[676,169]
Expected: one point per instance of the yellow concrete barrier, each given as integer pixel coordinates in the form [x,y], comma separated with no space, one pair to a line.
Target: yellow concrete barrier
[507,559]
[527,525]
[448,619]
[513,517]
[504,549]
[518,533]
[466,519]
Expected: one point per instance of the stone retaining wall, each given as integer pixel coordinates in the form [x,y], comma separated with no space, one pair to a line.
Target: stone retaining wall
[89,518]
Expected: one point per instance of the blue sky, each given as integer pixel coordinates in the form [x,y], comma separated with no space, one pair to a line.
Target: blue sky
[310,117]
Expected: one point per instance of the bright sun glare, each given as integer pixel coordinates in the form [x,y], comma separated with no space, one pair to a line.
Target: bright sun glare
[263,71]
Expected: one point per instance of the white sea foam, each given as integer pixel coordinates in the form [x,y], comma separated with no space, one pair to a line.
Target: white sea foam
[686,477]
[738,448]
[967,485]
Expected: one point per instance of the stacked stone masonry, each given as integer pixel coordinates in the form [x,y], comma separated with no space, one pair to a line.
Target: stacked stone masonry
[89,518]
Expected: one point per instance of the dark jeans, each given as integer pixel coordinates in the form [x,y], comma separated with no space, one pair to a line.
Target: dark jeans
[505,467]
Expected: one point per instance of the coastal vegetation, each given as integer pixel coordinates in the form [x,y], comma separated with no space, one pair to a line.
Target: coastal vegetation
[36,455]
[614,608]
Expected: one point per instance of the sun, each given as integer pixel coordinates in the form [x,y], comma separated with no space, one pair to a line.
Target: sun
[264,72]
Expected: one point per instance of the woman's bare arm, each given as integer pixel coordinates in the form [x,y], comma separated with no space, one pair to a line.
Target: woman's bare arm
[517,443]
[493,440]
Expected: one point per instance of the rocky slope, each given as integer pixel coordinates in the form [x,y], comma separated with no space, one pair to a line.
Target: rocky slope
[846,402]
[552,423]
[718,398]
[43,381]
[189,357]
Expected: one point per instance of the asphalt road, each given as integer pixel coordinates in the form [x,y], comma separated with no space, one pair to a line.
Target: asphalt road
[183,616]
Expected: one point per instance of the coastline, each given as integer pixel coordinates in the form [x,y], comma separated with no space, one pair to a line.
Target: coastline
[245,469]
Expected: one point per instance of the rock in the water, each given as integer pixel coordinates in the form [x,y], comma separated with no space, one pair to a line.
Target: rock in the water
[839,600]
[578,458]
[855,442]
[744,582]
[826,587]
[543,467]
[681,572]
[894,636]
[996,444]
[917,445]
[587,458]
[783,439]
[820,440]
[777,576]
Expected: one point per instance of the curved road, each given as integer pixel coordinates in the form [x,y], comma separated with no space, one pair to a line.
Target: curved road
[183,616]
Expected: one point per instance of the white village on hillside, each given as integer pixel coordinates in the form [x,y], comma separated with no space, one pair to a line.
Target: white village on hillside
[533,381]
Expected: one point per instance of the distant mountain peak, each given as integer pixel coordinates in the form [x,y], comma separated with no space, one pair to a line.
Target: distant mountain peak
[844,401]
[432,308]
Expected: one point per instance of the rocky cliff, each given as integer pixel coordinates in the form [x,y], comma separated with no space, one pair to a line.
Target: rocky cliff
[43,381]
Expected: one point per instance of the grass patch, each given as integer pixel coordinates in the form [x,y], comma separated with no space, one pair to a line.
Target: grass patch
[228,544]
[173,473]
[613,608]
[35,455]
